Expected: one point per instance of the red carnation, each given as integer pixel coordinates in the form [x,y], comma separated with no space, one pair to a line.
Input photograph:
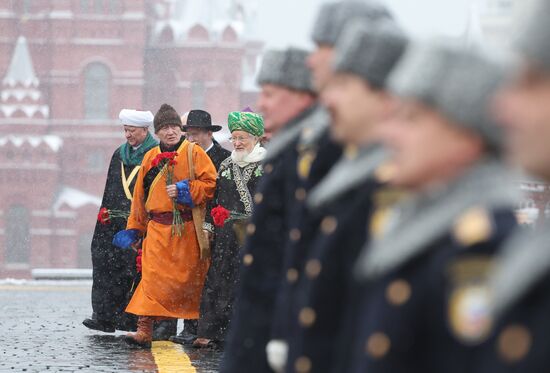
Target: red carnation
[162,156]
[103,217]
[138,260]
[220,215]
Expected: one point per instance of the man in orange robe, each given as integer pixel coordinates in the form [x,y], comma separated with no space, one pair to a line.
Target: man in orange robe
[173,272]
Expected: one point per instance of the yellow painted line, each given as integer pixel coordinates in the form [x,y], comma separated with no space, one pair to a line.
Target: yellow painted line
[170,358]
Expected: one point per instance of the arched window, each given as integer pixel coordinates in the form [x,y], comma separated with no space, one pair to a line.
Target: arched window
[99,6]
[18,242]
[84,6]
[96,91]
[27,6]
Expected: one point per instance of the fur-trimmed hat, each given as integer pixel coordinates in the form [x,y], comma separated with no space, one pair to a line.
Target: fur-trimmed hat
[166,115]
[370,52]
[534,40]
[286,68]
[458,82]
[333,18]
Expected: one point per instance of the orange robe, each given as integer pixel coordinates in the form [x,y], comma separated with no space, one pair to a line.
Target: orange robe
[172,272]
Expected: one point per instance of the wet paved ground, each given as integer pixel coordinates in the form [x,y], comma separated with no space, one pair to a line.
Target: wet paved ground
[41,331]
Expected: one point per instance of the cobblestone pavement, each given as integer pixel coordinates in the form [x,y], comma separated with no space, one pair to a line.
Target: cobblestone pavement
[41,331]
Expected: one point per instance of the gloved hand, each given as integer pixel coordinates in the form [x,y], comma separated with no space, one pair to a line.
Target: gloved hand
[277,354]
[184,193]
[125,239]
[138,260]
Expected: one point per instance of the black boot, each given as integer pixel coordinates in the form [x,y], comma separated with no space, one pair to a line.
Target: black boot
[101,325]
[188,334]
[164,329]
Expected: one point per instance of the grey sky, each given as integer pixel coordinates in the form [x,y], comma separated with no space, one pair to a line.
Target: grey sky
[288,22]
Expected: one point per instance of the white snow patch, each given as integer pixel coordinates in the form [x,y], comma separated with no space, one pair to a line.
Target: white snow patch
[36,283]
[52,141]
[75,199]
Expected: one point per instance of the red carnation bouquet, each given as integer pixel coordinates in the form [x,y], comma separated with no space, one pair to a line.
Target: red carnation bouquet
[166,162]
[221,215]
[105,215]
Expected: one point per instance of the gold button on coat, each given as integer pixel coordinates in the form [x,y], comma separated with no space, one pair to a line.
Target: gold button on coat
[302,365]
[292,275]
[300,194]
[313,268]
[307,317]
[514,343]
[378,345]
[398,292]
[295,234]
[329,225]
[248,259]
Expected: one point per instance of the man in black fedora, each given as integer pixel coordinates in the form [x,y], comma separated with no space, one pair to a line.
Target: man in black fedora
[199,129]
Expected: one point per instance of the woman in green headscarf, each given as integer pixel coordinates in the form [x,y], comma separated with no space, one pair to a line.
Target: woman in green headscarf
[237,180]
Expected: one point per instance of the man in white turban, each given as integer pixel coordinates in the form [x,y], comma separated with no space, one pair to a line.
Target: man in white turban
[114,270]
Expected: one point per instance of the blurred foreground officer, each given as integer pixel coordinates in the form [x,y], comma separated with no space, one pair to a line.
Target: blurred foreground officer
[358,101]
[115,269]
[286,98]
[317,154]
[436,245]
[521,280]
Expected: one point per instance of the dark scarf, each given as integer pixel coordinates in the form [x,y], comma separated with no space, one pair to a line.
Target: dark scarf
[165,148]
[133,157]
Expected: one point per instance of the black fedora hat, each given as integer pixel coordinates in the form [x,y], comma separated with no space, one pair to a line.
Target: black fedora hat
[200,119]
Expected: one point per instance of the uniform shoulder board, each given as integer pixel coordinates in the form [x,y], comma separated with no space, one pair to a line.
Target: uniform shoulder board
[385,172]
[379,222]
[469,302]
[473,226]
[384,201]
[305,160]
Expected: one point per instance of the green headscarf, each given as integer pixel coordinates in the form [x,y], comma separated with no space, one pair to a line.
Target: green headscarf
[131,157]
[248,122]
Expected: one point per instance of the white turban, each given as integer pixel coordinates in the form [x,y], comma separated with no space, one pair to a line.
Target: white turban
[135,118]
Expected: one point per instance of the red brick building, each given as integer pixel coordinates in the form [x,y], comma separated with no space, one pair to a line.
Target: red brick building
[67,67]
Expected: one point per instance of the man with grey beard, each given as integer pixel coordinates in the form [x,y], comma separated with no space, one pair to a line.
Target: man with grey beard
[286,100]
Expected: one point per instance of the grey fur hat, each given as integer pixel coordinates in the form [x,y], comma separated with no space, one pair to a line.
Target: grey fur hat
[457,82]
[286,68]
[333,18]
[370,51]
[534,40]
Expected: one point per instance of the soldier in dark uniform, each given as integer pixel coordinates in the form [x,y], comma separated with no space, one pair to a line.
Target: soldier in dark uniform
[198,128]
[520,282]
[286,100]
[114,270]
[423,307]
[343,201]
[317,154]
